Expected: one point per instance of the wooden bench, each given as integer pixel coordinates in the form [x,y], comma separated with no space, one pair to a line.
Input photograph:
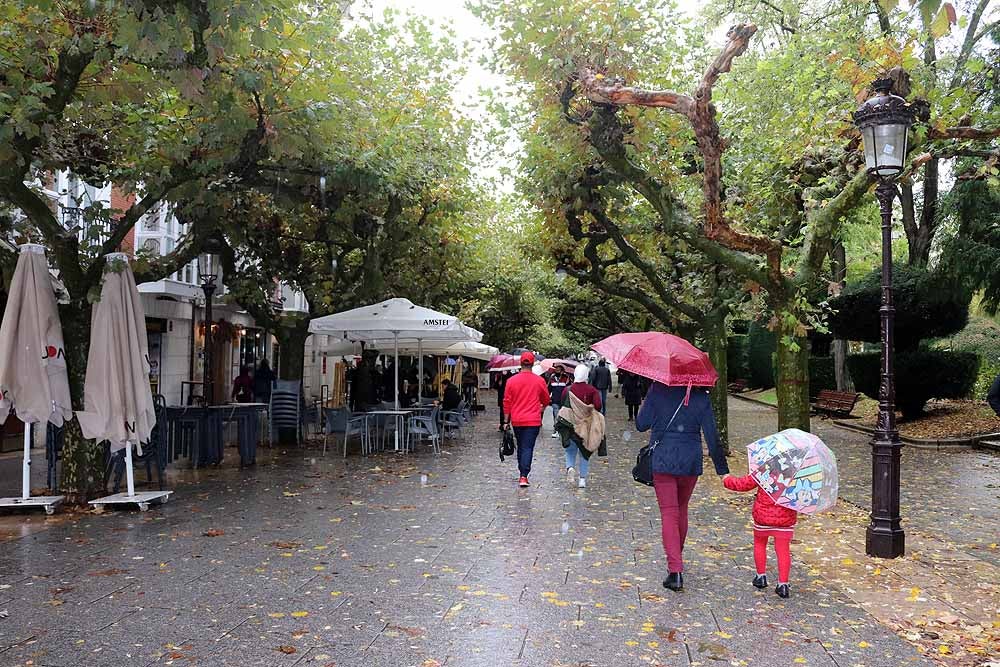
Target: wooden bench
[836,402]
[737,386]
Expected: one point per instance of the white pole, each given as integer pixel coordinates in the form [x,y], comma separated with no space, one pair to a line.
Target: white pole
[420,371]
[395,365]
[129,477]
[26,464]
[395,372]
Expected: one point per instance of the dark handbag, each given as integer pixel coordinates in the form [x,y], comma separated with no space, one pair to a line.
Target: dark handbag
[642,472]
[507,446]
[602,450]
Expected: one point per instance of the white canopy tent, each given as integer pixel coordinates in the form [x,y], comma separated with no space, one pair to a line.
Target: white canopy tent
[469,349]
[400,320]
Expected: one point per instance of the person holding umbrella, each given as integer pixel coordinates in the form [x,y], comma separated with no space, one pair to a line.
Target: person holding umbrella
[676,415]
[793,472]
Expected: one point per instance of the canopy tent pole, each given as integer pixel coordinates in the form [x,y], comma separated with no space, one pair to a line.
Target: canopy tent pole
[420,372]
[129,472]
[26,464]
[395,365]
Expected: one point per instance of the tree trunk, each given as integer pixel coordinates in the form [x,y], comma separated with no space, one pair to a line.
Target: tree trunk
[292,348]
[839,348]
[792,357]
[82,459]
[716,345]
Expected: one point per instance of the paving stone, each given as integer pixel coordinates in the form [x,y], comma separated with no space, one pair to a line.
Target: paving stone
[354,562]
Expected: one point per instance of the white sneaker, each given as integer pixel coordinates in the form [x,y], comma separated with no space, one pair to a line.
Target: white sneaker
[570,474]
[555,434]
[582,484]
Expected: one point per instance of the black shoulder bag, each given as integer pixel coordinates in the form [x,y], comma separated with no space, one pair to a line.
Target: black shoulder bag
[643,470]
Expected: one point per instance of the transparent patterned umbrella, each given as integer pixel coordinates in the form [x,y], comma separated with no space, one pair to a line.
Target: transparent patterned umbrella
[796,469]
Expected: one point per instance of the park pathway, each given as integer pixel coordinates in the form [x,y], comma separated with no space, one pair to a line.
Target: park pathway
[428,561]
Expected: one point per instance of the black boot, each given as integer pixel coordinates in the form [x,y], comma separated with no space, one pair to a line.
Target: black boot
[674,581]
[782,590]
[760,581]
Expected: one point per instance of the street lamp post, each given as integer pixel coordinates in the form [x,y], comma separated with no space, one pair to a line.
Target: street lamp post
[884,121]
[208,275]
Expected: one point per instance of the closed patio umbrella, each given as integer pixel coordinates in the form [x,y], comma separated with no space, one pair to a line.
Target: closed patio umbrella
[118,401]
[34,382]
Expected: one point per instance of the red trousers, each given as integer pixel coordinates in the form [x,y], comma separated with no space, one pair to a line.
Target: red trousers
[782,549]
[672,495]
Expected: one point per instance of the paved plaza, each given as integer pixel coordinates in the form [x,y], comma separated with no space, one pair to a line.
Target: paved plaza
[430,560]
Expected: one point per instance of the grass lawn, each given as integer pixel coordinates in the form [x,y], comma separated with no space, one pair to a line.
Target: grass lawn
[768,396]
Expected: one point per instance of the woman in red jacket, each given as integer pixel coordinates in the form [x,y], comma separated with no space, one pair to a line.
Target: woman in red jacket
[769,520]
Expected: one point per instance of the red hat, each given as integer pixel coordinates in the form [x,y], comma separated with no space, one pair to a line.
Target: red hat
[527,358]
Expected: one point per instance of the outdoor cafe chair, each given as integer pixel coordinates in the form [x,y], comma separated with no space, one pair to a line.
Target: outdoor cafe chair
[154,452]
[422,427]
[340,420]
[453,420]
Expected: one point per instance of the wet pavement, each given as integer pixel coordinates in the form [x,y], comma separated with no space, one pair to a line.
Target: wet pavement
[441,560]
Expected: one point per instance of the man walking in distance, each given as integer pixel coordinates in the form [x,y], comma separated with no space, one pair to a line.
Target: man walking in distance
[524,400]
[600,379]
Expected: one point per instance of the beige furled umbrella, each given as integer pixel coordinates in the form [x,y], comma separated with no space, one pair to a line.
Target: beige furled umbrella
[33,378]
[117,397]
[33,374]
[118,401]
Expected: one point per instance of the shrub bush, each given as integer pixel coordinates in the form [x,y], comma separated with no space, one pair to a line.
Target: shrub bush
[987,374]
[928,305]
[821,375]
[736,357]
[761,345]
[921,374]
[981,335]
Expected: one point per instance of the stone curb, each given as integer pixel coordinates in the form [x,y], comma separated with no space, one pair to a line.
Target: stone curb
[921,443]
[987,441]
[753,400]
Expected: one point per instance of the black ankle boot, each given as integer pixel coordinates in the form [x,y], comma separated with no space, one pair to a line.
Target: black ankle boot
[760,581]
[674,581]
[782,590]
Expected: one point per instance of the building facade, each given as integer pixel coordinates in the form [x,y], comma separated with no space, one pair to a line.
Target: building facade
[175,305]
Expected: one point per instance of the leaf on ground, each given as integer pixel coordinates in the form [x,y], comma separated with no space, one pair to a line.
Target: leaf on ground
[214,532]
[287,650]
[283,544]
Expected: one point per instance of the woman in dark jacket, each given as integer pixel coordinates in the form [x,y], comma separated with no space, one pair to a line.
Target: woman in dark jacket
[632,392]
[676,421]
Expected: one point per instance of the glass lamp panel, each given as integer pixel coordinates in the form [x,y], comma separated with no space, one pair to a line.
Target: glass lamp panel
[868,137]
[889,142]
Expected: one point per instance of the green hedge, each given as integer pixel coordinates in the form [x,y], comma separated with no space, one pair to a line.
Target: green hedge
[736,357]
[761,346]
[921,375]
[928,305]
[822,375]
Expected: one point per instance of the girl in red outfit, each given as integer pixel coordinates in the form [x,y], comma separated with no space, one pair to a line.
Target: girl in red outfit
[769,520]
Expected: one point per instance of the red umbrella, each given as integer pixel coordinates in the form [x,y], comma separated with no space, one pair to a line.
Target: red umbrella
[504,362]
[659,356]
